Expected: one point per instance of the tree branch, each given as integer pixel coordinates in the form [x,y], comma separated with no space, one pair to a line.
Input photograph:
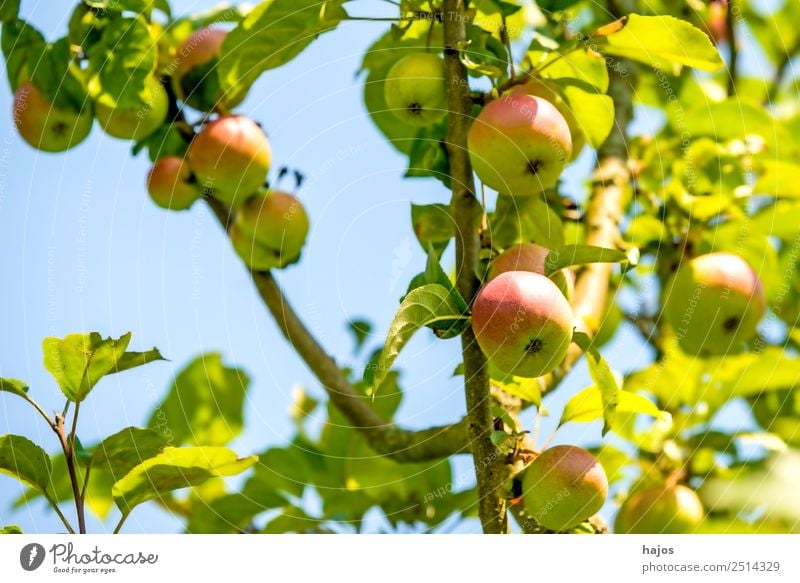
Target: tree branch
[386,439]
[489,463]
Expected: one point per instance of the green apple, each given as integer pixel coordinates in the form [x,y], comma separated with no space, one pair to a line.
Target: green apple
[256,256]
[415,89]
[277,221]
[171,184]
[530,257]
[230,156]
[136,123]
[194,78]
[519,144]
[523,323]
[539,88]
[660,510]
[714,303]
[45,126]
[564,486]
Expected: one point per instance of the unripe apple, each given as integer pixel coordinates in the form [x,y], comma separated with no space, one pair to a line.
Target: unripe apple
[45,126]
[256,256]
[541,89]
[564,486]
[171,185]
[660,510]
[530,257]
[714,303]
[231,157]
[519,144]
[415,89]
[277,221]
[195,80]
[136,123]
[523,323]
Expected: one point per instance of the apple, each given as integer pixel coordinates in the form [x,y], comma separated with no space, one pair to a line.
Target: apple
[276,221]
[660,510]
[136,123]
[171,184]
[564,486]
[415,89]
[539,88]
[194,78]
[230,156]
[45,126]
[256,256]
[523,323]
[716,22]
[530,257]
[519,144]
[714,303]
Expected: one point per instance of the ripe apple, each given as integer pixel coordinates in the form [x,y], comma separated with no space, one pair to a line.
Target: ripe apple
[194,78]
[45,126]
[519,144]
[277,221]
[541,89]
[231,157]
[716,22]
[530,257]
[714,303]
[523,323]
[660,510]
[171,184]
[564,486]
[415,89]
[136,123]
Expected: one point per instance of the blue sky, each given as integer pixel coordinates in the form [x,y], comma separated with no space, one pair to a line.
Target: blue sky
[83,249]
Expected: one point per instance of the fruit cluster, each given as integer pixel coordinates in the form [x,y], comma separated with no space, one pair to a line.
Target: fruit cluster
[227,159]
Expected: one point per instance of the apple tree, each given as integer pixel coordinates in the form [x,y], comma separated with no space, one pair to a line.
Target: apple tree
[684,232]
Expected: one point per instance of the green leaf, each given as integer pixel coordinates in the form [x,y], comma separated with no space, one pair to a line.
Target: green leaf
[26,461]
[204,405]
[271,35]
[11,529]
[587,406]
[778,219]
[428,154]
[523,388]
[568,255]
[603,379]
[79,361]
[126,449]
[292,519]
[593,110]
[735,119]
[121,63]
[131,360]
[424,306]
[583,65]
[23,46]
[360,330]
[231,513]
[59,78]
[433,225]
[140,6]
[15,387]
[9,10]
[525,220]
[660,41]
[779,178]
[175,468]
